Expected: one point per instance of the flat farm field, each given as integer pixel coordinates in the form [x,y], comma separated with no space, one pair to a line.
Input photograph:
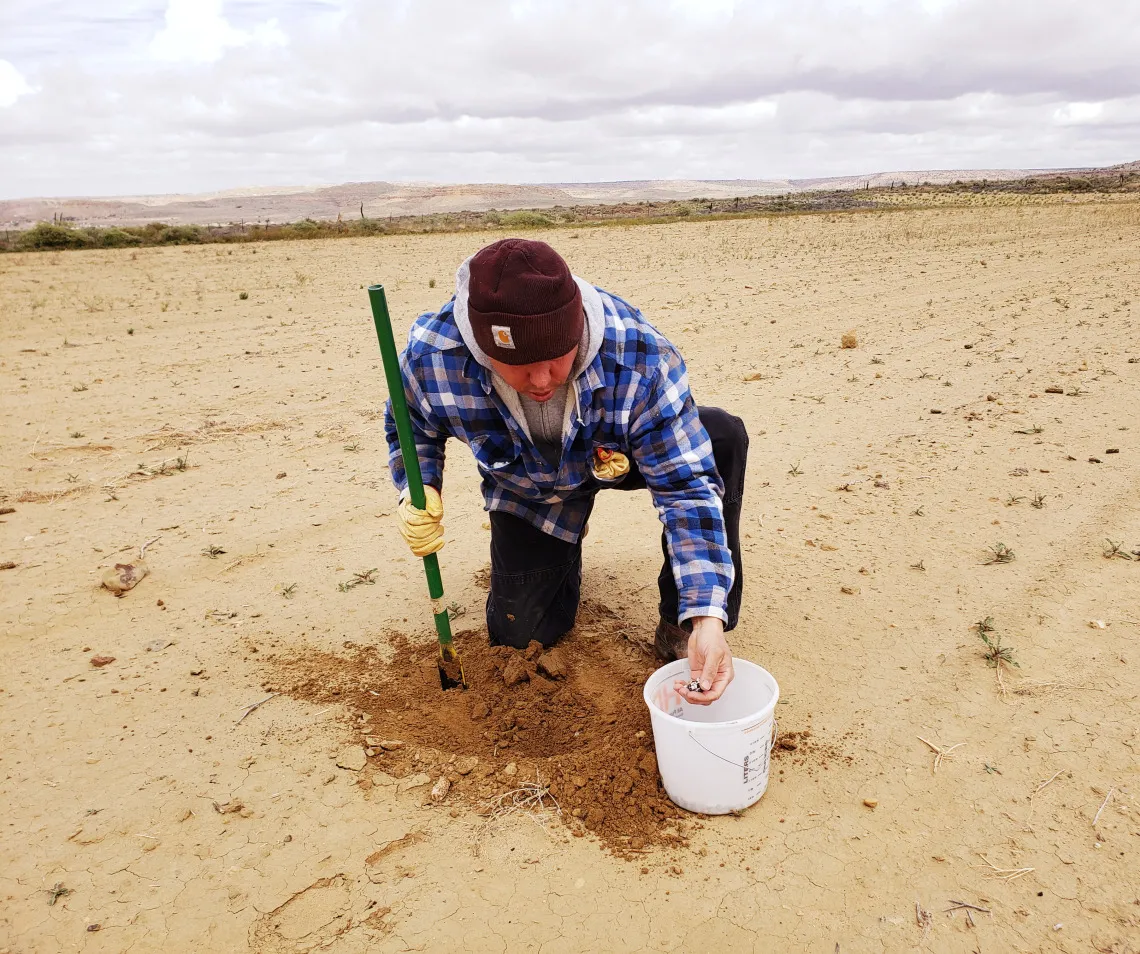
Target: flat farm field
[942,535]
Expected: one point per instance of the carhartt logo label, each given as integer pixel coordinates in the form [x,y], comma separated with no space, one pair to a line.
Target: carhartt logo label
[503,337]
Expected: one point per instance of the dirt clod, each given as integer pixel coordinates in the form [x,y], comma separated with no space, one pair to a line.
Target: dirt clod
[552,664]
[515,671]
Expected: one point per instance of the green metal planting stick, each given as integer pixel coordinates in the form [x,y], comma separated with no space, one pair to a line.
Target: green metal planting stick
[448,657]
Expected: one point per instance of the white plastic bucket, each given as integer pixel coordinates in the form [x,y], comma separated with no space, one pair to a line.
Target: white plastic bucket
[714,759]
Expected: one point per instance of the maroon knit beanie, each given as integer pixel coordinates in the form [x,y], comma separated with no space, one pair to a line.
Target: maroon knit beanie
[524,304]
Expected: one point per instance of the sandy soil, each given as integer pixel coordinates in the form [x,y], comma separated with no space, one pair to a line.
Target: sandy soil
[170,825]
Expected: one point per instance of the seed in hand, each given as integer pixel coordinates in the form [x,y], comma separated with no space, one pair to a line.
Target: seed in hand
[694,686]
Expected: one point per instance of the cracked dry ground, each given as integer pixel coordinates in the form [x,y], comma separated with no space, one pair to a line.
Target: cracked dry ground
[860,600]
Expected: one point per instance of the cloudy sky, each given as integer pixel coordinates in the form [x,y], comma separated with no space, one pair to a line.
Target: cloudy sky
[105,97]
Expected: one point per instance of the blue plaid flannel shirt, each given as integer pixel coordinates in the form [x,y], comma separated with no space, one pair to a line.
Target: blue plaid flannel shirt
[633,397]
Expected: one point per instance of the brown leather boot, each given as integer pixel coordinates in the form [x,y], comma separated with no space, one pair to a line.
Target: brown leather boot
[670,642]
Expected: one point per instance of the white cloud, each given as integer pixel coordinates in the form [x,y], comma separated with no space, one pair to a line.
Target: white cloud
[1072,113]
[12,84]
[199,95]
[197,31]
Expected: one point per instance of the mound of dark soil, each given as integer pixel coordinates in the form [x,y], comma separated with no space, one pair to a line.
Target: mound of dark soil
[570,721]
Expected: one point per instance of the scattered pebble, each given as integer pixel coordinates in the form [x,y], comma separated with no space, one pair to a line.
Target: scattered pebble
[440,789]
[100,661]
[466,765]
[413,781]
[353,759]
[871,802]
[124,576]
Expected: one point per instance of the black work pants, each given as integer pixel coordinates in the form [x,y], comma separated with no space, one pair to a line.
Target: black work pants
[536,579]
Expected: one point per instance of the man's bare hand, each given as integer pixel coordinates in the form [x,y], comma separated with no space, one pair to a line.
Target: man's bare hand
[710,662]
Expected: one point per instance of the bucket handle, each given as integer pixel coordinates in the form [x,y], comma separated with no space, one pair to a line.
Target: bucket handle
[771,742]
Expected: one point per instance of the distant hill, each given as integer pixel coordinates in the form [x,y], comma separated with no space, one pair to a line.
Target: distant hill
[382,199]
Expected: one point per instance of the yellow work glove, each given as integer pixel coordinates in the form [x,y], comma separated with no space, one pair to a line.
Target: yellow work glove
[422,529]
[610,464]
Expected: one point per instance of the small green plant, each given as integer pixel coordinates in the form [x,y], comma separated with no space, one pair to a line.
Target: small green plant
[919,511]
[795,469]
[1035,429]
[130,331]
[1114,549]
[303,278]
[878,361]
[1001,554]
[164,306]
[925,374]
[213,551]
[454,610]
[920,565]
[288,591]
[181,463]
[243,296]
[1038,501]
[368,577]
[78,387]
[75,435]
[1013,501]
[1075,392]
[431,283]
[57,891]
[72,478]
[995,654]
[352,448]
